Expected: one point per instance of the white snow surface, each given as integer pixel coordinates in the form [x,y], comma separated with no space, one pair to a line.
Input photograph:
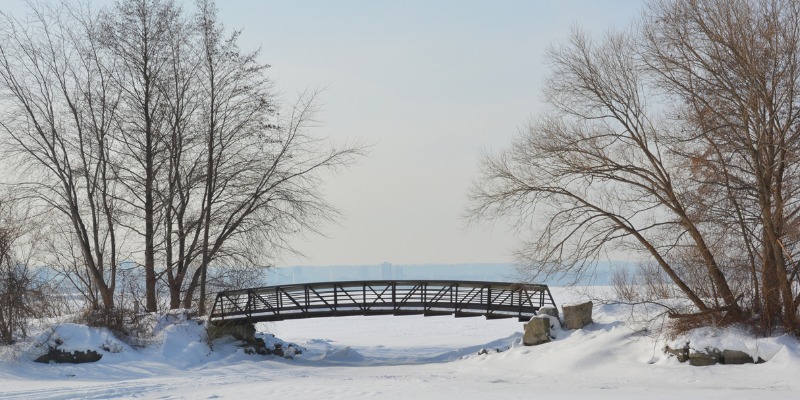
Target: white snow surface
[409,357]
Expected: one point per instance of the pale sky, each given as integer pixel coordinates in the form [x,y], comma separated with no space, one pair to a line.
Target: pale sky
[428,84]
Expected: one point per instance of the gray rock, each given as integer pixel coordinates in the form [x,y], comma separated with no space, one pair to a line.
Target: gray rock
[576,316]
[701,359]
[736,357]
[537,331]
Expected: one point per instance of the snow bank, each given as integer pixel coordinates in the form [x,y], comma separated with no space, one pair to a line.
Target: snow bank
[414,357]
[345,354]
[183,344]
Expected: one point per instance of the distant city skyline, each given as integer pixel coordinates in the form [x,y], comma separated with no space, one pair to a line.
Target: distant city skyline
[496,272]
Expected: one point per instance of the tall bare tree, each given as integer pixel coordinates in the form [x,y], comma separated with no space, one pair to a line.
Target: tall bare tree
[138,34]
[180,197]
[262,173]
[735,65]
[55,85]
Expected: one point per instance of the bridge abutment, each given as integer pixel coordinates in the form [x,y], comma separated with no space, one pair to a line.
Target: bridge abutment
[245,332]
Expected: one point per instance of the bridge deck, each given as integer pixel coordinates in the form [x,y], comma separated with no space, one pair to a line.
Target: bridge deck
[334,299]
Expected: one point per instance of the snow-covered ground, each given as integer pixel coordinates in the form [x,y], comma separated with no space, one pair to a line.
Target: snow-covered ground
[413,358]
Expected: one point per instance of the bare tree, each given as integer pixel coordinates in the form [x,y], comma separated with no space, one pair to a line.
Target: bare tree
[256,209]
[262,171]
[676,139]
[60,111]
[25,292]
[181,198]
[13,281]
[138,34]
[736,67]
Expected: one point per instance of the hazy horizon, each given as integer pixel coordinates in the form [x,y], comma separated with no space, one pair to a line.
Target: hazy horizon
[428,85]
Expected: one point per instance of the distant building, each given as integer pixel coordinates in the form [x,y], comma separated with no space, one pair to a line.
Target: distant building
[386,271]
[397,271]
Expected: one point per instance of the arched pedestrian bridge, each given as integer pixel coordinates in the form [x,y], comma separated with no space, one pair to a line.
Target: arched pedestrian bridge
[336,299]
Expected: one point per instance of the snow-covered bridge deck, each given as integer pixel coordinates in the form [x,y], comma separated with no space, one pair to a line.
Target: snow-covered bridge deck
[412,297]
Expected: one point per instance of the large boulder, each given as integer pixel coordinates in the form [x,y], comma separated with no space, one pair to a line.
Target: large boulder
[537,331]
[710,356]
[576,316]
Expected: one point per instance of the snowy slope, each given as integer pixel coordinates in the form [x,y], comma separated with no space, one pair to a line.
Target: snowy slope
[414,358]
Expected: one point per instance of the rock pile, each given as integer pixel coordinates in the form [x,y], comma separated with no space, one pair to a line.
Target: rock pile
[711,356]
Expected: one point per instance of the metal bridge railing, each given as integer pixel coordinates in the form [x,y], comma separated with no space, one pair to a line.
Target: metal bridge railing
[331,299]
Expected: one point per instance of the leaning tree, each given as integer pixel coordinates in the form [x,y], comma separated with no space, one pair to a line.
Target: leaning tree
[676,139]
